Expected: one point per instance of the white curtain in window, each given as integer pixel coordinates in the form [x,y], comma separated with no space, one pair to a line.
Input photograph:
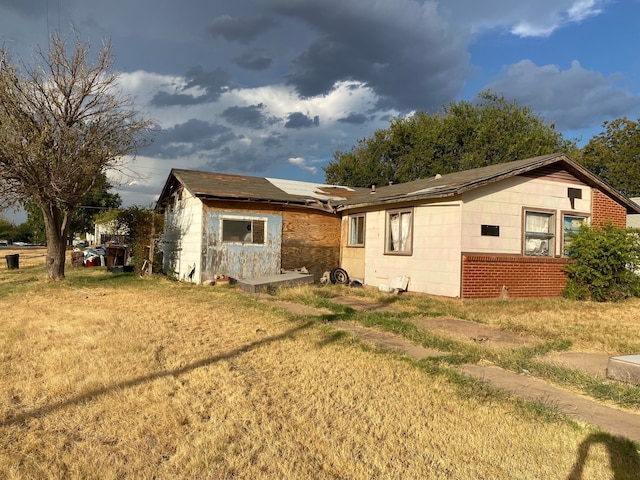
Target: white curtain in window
[405,226]
[394,226]
[537,222]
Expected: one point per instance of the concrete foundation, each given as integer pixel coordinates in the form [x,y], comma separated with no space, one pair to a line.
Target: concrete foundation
[625,368]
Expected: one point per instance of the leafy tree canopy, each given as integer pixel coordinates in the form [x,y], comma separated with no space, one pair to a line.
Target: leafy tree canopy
[465,135]
[97,200]
[614,155]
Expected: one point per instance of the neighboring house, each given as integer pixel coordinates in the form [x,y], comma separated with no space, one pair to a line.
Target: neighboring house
[109,232]
[500,230]
[248,227]
[633,219]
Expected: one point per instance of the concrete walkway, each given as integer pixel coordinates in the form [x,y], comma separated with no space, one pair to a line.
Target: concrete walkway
[578,407]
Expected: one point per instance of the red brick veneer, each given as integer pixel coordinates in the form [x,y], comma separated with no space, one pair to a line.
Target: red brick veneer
[483,276]
[604,209]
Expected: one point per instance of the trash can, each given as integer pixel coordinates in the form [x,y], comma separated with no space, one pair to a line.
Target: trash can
[13,261]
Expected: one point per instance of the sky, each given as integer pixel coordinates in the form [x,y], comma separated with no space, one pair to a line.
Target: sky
[273,88]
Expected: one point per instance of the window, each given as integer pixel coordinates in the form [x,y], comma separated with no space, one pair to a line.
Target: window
[356,231]
[538,234]
[570,224]
[399,232]
[245,231]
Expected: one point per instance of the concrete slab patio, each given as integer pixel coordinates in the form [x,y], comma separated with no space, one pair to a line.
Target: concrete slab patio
[625,368]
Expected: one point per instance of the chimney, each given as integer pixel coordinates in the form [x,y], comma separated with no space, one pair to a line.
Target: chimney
[373,188]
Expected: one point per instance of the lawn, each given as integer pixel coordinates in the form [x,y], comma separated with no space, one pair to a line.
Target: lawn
[114,376]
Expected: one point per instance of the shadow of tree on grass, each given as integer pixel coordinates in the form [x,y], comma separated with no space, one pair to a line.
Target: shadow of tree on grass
[47,409]
[624,459]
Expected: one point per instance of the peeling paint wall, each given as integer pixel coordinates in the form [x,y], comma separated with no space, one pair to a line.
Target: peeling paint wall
[237,258]
[182,238]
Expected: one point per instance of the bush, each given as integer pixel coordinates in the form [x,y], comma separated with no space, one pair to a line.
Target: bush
[605,262]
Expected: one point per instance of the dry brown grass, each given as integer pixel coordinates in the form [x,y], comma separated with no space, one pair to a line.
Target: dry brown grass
[118,377]
[29,256]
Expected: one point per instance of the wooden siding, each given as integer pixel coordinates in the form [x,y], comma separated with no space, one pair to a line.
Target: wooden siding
[182,239]
[311,240]
[555,173]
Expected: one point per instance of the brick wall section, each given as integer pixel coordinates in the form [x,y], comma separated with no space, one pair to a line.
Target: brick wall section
[605,209]
[483,276]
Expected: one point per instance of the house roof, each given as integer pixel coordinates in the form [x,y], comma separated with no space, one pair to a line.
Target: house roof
[217,186]
[451,184]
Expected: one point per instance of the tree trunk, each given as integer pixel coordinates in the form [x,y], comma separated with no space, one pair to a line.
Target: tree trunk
[56,225]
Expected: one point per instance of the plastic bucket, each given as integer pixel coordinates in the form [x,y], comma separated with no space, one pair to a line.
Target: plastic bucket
[13,261]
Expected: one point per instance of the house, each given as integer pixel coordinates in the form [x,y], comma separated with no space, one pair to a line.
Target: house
[247,227]
[483,233]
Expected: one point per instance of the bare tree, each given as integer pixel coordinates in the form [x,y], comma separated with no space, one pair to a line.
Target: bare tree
[63,123]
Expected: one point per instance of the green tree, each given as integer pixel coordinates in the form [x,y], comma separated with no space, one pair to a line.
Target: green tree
[63,123]
[614,155]
[83,219]
[605,262]
[465,135]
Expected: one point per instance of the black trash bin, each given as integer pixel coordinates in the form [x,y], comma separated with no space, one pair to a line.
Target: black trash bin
[13,261]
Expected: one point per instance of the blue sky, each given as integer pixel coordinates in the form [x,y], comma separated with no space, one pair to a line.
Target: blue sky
[274,87]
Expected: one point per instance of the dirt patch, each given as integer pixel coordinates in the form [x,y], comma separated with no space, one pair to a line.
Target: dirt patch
[362,305]
[472,332]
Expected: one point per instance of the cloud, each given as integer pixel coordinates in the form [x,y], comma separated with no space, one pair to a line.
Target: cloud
[28,8]
[189,138]
[573,99]
[199,87]
[300,120]
[539,18]
[250,117]
[242,30]
[354,118]
[250,61]
[301,162]
[403,51]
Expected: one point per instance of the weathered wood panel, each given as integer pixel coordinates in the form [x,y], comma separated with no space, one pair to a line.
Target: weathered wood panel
[310,239]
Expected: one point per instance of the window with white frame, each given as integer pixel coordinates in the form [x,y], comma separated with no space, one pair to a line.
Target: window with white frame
[570,225]
[243,230]
[538,234]
[399,232]
[356,231]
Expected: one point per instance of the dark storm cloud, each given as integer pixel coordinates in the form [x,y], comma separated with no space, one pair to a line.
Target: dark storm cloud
[190,137]
[402,50]
[354,119]
[214,83]
[247,161]
[300,120]
[249,61]
[28,8]
[251,116]
[242,30]
[273,141]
